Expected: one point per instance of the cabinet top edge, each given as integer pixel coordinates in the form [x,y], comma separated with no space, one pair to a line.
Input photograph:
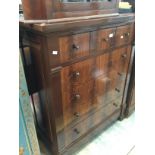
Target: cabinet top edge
[46,26]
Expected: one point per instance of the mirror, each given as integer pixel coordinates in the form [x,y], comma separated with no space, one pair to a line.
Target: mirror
[84,1]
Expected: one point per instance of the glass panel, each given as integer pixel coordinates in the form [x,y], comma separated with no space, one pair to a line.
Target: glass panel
[79,1]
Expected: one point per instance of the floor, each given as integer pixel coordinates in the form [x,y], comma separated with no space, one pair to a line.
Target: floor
[116,140]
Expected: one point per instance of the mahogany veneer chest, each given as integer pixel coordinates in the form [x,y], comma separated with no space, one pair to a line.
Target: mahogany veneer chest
[82,68]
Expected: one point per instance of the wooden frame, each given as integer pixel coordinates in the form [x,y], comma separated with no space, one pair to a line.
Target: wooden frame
[49,9]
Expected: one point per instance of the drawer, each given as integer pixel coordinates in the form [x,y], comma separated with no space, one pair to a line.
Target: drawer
[77,73]
[103,39]
[124,34]
[75,132]
[119,60]
[104,112]
[77,101]
[74,46]
[107,89]
[65,48]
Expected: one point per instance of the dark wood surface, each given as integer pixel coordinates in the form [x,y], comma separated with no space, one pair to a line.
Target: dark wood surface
[81,75]
[130,100]
[49,9]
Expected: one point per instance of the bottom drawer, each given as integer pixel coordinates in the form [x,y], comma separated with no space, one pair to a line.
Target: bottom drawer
[101,114]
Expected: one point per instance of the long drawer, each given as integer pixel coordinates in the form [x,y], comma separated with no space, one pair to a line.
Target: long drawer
[70,134]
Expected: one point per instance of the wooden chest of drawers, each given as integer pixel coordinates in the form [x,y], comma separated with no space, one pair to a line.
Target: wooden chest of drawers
[81,73]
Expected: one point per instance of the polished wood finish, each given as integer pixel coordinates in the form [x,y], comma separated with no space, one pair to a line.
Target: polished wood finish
[48,9]
[82,76]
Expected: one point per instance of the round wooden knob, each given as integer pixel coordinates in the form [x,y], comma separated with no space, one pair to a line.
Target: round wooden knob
[76,114]
[105,39]
[126,34]
[119,74]
[116,89]
[115,104]
[124,56]
[76,74]
[75,47]
[76,131]
[77,97]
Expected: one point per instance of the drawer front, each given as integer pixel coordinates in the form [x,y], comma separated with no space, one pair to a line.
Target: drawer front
[73,133]
[74,46]
[104,112]
[65,48]
[124,34]
[107,89]
[77,73]
[103,39]
[119,60]
[77,102]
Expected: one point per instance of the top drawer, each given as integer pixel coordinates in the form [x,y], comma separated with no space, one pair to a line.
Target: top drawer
[124,34]
[102,39]
[66,48]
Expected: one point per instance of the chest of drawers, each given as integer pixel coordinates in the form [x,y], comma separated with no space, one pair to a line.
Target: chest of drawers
[81,74]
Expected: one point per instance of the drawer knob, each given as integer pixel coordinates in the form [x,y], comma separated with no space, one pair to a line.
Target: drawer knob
[75,47]
[76,131]
[105,39]
[116,89]
[77,114]
[126,34]
[119,74]
[77,97]
[76,74]
[115,104]
[124,55]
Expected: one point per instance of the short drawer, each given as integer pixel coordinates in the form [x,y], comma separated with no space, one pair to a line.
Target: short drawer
[65,48]
[103,39]
[124,34]
[73,133]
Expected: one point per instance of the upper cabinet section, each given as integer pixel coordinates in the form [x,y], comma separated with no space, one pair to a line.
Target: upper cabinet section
[51,9]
